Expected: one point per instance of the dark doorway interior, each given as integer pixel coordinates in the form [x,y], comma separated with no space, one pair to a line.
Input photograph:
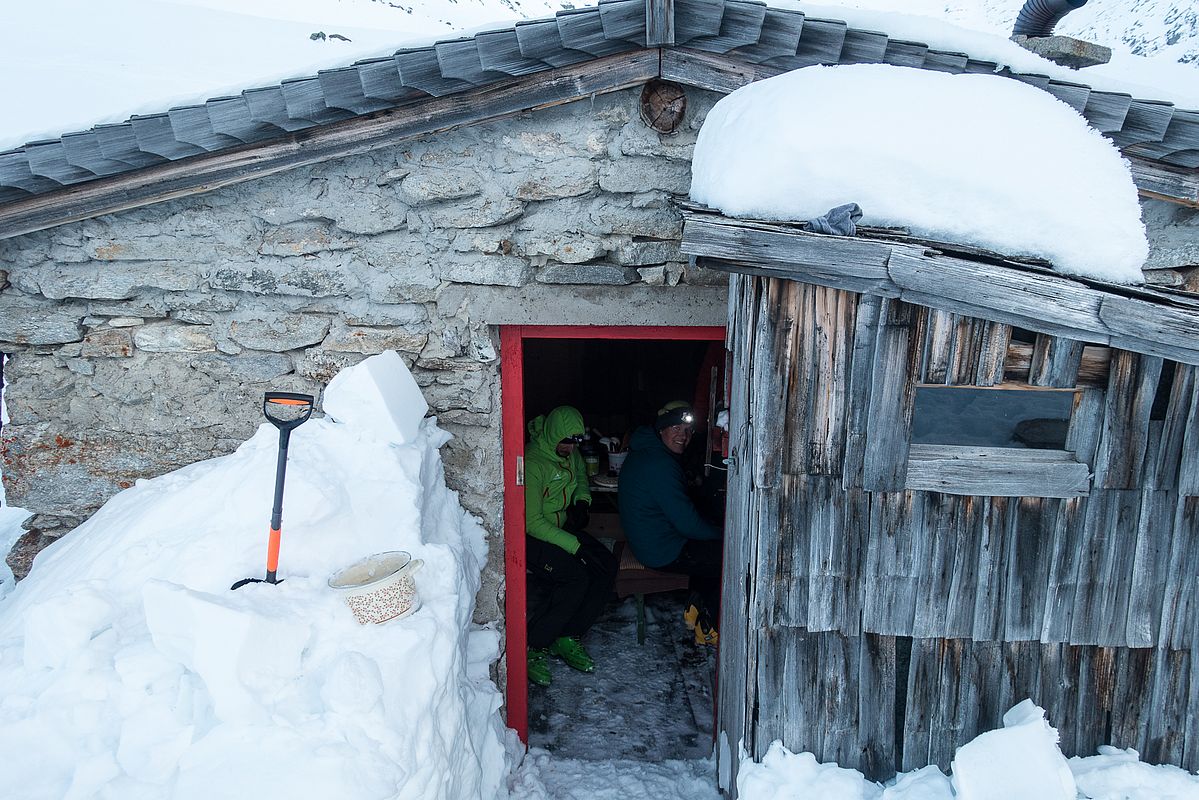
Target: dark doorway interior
[649,700]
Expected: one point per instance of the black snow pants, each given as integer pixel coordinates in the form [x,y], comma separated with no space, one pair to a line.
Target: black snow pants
[567,593]
[701,562]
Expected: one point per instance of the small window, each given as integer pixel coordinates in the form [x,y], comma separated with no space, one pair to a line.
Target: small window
[962,415]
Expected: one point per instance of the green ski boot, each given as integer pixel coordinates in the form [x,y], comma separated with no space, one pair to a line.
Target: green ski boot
[569,650]
[539,667]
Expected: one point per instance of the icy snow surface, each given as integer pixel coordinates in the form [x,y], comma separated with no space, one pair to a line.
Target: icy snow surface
[975,159]
[130,670]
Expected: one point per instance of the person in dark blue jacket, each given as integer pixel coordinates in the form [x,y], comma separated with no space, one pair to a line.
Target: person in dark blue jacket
[663,527]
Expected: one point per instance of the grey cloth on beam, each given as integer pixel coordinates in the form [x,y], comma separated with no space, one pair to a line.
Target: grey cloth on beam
[839,221]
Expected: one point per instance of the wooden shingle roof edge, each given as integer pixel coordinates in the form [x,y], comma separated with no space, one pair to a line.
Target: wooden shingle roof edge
[952,278]
[717,45]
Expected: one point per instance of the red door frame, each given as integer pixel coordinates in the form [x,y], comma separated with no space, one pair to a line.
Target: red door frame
[512,402]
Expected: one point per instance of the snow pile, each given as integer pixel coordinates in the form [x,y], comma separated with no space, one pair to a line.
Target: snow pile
[1117,774]
[976,159]
[1019,760]
[130,670]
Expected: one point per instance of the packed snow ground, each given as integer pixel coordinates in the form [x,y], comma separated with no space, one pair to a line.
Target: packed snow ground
[976,159]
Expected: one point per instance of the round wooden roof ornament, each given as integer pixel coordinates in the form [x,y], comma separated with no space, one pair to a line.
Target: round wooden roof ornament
[663,105]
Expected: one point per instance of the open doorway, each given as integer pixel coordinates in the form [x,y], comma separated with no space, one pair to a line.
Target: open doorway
[617,378]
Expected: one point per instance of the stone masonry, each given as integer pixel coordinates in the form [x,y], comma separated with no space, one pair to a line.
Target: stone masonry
[143,341]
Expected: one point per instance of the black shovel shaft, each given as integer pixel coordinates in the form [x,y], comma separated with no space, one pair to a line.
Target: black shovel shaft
[280,476]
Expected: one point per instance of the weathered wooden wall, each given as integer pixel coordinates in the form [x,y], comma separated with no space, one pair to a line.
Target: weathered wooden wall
[860,592]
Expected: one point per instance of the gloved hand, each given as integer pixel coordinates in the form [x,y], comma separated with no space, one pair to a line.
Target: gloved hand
[577,516]
[596,558]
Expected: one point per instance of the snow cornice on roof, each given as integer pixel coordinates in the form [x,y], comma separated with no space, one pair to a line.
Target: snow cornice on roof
[711,44]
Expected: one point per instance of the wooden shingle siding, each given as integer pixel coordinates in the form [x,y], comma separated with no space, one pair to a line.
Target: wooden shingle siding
[781,29]
[696,18]
[83,150]
[1085,603]
[231,116]
[1146,121]
[905,54]
[624,19]
[305,99]
[191,125]
[892,398]
[48,160]
[740,26]
[500,51]
[863,47]
[267,106]
[820,42]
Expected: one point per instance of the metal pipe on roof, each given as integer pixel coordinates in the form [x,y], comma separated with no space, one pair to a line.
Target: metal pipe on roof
[1038,17]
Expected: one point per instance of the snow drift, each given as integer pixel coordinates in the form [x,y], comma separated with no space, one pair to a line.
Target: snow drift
[975,159]
[130,670]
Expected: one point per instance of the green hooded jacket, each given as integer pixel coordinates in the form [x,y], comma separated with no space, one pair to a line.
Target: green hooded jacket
[552,482]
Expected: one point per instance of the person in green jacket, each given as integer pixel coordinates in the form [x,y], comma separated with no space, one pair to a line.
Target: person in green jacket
[663,526]
[573,571]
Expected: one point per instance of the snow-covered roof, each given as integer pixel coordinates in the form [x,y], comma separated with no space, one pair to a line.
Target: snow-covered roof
[705,38]
[973,159]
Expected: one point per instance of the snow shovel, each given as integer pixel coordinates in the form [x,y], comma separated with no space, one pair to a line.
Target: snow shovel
[286,411]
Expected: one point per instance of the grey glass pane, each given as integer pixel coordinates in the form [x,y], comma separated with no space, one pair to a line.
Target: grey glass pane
[991,417]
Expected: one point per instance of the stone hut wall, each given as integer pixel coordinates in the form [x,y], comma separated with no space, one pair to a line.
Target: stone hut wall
[142,341]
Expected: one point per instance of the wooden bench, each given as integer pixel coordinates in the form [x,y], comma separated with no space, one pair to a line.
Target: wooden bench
[633,578]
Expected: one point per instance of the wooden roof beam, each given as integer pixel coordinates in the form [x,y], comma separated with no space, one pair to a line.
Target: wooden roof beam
[202,173]
[1128,318]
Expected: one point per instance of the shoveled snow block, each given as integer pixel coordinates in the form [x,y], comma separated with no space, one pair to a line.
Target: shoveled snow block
[1021,759]
[241,653]
[378,395]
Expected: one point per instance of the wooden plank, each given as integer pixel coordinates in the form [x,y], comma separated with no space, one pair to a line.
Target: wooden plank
[1104,569]
[832,326]
[83,150]
[772,358]
[839,666]
[49,160]
[1132,701]
[779,37]
[1055,361]
[1072,94]
[897,354]
[118,143]
[192,125]
[582,29]
[924,683]
[991,533]
[625,19]
[1180,606]
[1096,692]
[740,25]
[1145,121]
[1086,424]
[861,373]
[1188,465]
[1092,371]
[891,572]
[659,23]
[876,706]
[1106,111]
[1132,387]
[946,529]
[828,554]
[955,717]
[993,339]
[995,471]
[499,51]
[266,105]
[863,47]
[711,71]
[820,42]
[938,346]
[738,622]
[1068,538]
[1164,471]
[943,61]
[1146,327]
[694,18]
[1029,544]
[905,54]
[352,137]
[1151,558]
[988,667]
[231,115]
[460,59]
[1164,182]
[1171,692]
[343,88]
[305,99]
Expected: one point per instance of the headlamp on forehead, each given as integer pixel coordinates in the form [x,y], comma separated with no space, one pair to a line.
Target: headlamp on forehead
[576,439]
[672,414]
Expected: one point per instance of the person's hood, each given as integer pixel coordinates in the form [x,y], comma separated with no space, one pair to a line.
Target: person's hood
[546,431]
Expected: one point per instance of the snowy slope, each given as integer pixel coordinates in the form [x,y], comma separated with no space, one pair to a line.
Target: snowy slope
[1159,29]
